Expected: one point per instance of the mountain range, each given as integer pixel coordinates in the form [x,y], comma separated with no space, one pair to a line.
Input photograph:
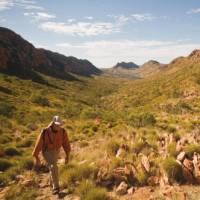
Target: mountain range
[21,58]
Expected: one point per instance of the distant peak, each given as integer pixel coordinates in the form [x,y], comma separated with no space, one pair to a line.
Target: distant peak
[152,62]
[126,65]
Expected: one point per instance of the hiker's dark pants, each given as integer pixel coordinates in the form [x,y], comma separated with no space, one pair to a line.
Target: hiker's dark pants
[51,157]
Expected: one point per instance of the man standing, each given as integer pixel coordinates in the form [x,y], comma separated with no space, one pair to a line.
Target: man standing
[49,142]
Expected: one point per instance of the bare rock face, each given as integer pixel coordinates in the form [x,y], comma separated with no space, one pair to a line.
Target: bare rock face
[122,188]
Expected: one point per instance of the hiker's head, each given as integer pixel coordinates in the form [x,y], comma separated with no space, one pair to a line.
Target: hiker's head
[57,122]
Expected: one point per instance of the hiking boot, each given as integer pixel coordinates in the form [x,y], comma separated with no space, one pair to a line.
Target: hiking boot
[56,191]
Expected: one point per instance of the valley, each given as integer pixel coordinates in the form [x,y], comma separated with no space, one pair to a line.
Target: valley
[126,133]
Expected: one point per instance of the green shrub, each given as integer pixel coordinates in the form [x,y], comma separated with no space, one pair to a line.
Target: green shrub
[11,151]
[88,113]
[173,170]
[172,149]
[27,163]
[84,143]
[25,143]
[6,109]
[141,120]
[142,178]
[40,100]
[191,148]
[18,192]
[112,147]
[88,191]
[4,164]
[138,146]
[5,139]
[76,172]
[4,179]
[116,162]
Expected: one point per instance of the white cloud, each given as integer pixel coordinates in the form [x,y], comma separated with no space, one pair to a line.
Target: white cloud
[80,28]
[133,17]
[107,53]
[89,17]
[72,27]
[40,16]
[194,11]
[26,4]
[142,17]
[71,20]
[5,4]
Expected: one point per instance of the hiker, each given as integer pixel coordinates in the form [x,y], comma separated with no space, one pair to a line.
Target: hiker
[49,142]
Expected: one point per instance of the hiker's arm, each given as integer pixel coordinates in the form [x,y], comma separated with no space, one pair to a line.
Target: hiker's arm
[66,145]
[38,146]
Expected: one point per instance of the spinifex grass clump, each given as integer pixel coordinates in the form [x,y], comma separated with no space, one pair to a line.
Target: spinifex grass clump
[11,151]
[18,192]
[75,172]
[141,120]
[4,164]
[113,146]
[88,191]
[191,148]
[173,170]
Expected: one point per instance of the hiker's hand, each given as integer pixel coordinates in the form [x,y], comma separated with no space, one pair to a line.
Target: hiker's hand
[37,161]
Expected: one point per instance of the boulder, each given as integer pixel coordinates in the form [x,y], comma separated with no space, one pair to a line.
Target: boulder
[131,190]
[181,156]
[145,163]
[188,164]
[122,188]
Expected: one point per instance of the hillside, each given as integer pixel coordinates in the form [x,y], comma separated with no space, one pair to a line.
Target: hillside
[21,58]
[125,134]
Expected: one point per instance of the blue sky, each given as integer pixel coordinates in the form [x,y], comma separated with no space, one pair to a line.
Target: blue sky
[107,31]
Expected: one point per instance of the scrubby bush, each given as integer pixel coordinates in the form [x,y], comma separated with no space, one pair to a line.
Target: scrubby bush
[11,151]
[84,143]
[141,178]
[27,163]
[191,148]
[6,109]
[25,143]
[88,191]
[173,170]
[4,164]
[77,172]
[172,149]
[88,113]
[141,120]
[116,162]
[40,100]
[5,139]
[112,147]
[18,192]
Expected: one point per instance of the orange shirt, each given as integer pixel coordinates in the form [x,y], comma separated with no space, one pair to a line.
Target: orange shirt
[49,140]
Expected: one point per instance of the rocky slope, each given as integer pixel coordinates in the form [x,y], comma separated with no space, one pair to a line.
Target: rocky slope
[21,58]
